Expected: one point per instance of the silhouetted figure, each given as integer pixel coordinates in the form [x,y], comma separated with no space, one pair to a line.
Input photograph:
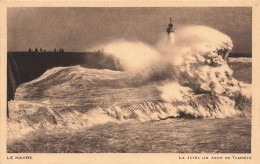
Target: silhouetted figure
[40,49]
[36,50]
[30,50]
[55,50]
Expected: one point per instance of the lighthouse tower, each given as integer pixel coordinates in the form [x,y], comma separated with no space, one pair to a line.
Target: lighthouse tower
[170,30]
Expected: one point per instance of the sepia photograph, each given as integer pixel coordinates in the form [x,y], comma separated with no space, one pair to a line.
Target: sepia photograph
[129,80]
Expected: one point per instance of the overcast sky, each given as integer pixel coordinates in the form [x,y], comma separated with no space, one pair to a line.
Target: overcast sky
[78,29]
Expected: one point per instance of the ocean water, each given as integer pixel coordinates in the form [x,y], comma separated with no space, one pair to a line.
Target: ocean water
[76,109]
[179,135]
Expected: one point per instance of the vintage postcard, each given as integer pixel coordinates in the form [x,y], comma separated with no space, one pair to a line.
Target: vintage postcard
[129,82]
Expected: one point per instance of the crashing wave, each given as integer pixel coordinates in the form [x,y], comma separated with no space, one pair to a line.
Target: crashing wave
[189,78]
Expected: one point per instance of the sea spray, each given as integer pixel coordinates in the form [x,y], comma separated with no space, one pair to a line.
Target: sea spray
[198,65]
[198,60]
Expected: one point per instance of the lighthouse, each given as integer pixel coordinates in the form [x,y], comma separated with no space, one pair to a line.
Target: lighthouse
[170,30]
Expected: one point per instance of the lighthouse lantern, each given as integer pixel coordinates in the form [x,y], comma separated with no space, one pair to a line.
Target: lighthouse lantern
[170,30]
